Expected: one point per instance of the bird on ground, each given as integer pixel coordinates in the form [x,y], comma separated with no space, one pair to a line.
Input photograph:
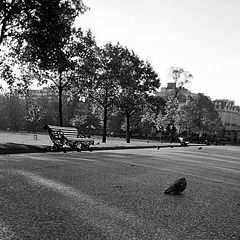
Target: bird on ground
[97,143]
[177,187]
[200,148]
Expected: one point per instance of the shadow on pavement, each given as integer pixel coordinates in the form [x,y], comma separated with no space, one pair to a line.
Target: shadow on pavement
[7,148]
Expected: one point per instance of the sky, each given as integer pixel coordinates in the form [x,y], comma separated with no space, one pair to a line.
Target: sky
[200,36]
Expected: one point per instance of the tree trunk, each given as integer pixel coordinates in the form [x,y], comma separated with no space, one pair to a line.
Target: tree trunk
[104,136]
[148,130]
[128,127]
[60,108]
[60,91]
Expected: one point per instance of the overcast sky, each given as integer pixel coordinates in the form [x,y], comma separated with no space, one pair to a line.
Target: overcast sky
[201,36]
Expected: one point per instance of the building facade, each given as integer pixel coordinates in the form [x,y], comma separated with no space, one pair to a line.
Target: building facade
[35,94]
[170,90]
[230,115]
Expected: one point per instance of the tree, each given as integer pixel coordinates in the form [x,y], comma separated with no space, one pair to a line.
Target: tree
[15,84]
[12,111]
[34,115]
[16,16]
[101,75]
[86,118]
[153,108]
[202,116]
[137,80]
[180,77]
[167,121]
[48,42]
[115,122]
[62,70]
[13,17]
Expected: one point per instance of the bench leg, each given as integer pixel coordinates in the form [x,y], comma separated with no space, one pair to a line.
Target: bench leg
[79,146]
[57,148]
[74,146]
[86,147]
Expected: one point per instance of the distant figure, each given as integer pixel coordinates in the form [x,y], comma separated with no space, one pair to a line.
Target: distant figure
[200,148]
[177,187]
[158,148]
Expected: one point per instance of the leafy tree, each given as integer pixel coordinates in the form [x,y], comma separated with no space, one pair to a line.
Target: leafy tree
[62,71]
[167,121]
[86,118]
[34,115]
[170,121]
[153,107]
[115,122]
[180,77]
[195,116]
[17,16]
[16,76]
[137,80]
[202,116]
[13,17]
[148,122]
[50,109]
[13,109]
[48,41]
[101,75]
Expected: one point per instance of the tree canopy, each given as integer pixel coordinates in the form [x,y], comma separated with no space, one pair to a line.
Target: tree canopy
[137,80]
[18,17]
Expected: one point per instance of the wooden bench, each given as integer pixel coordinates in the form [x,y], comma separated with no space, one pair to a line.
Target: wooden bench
[182,142]
[69,136]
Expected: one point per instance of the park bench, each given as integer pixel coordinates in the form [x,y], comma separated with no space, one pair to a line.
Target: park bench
[182,142]
[69,136]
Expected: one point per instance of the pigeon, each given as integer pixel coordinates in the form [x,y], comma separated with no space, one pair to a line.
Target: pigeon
[177,187]
[200,148]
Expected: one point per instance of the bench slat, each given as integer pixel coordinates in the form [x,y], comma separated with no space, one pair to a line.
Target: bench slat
[67,135]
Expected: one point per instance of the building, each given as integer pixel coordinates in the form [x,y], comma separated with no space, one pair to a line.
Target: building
[170,90]
[36,94]
[230,115]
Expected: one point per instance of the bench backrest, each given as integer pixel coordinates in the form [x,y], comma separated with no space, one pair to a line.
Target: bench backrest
[68,132]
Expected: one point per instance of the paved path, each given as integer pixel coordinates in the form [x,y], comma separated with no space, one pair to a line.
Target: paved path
[119,194]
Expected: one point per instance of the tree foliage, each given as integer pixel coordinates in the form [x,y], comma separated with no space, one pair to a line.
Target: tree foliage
[13,15]
[62,72]
[42,30]
[48,32]
[12,111]
[195,116]
[153,109]
[200,116]
[180,77]
[34,115]
[15,75]
[104,86]
[137,80]
[18,17]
